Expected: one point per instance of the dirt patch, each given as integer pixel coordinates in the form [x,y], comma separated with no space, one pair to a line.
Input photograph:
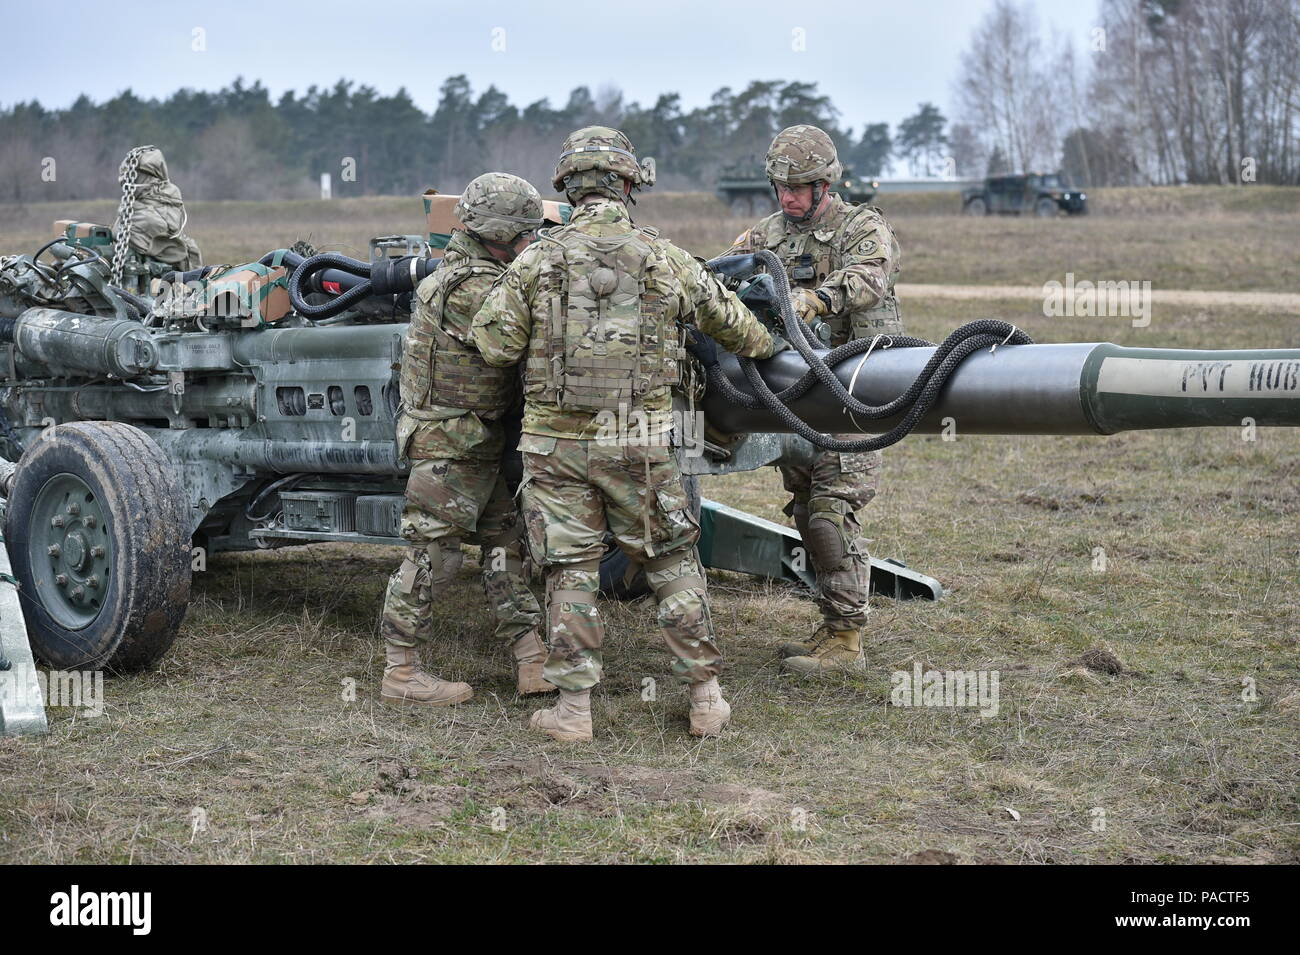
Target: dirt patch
[581,786]
[398,796]
[1101,660]
[1052,498]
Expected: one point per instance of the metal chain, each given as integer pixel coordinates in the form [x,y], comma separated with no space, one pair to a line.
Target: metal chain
[125,211]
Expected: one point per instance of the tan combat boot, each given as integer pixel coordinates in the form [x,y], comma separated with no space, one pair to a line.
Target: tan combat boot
[842,651]
[569,720]
[530,655]
[405,682]
[809,646]
[709,711]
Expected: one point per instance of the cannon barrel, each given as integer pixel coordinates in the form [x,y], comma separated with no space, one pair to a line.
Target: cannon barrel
[1092,388]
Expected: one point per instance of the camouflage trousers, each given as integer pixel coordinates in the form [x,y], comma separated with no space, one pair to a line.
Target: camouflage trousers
[827,494]
[448,501]
[574,492]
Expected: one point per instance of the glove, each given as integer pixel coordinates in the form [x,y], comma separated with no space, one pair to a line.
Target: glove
[808,304]
[702,347]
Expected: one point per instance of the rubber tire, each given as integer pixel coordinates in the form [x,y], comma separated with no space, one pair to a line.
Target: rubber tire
[1046,209]
[613,566]
[145,514]
[976,207]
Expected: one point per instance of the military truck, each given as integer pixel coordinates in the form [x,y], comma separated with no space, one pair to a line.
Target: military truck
[746,191]
[1040,194]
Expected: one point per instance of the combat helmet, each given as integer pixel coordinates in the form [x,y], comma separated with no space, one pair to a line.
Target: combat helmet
[595,159]
[800,155]
[497,208]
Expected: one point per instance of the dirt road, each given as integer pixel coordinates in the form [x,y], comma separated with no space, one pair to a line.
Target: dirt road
[1259,301]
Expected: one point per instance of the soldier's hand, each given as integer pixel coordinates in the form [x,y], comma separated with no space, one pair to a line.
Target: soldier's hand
[808,304]
[702,347]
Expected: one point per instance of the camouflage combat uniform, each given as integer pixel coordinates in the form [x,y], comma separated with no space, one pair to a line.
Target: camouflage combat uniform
[456,491]
[849,253]
[584,474]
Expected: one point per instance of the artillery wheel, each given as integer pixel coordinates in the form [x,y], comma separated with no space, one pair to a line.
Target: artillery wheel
[99,544]
[976,207]
[613,566]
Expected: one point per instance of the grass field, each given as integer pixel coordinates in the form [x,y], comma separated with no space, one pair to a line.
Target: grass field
[1201,237]
[1171,760]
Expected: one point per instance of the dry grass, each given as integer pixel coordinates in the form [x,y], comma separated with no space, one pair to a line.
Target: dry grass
[1235,238]
[246,718]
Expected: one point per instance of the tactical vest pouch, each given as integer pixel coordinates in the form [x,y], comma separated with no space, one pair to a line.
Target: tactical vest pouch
[609,344]
[417,368]
[438,368]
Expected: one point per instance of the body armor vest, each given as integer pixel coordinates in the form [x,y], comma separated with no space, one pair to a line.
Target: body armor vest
[811,256]
[440,369]
[608,341]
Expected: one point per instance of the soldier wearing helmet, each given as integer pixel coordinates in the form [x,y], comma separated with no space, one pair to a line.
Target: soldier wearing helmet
[842,261]
[451,430]
[596,310]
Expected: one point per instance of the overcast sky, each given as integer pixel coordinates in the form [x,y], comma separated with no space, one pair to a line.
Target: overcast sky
[876,60]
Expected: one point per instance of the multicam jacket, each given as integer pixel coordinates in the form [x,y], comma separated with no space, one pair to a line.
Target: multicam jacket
[452,401]
[531,301]
[850,253]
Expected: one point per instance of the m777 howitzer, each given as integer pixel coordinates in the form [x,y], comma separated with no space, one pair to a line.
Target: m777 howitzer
[255,406]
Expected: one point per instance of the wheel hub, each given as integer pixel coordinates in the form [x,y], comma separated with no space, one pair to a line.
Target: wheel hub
[78,556]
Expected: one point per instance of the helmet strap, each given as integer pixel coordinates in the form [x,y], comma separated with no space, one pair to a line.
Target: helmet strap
[818,194]
[506,250]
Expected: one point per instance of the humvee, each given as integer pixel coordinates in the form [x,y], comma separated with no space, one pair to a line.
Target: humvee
[1043,194]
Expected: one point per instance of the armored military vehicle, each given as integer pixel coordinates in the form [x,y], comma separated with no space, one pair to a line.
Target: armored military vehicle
[1036,193]
[745,189]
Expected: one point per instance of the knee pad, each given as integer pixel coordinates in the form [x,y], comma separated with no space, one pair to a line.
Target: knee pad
[831,533]
[685,574]
[445,558]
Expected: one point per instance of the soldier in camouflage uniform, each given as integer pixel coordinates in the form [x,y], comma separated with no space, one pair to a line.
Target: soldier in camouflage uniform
[451,429]
[595,309]
[842,261]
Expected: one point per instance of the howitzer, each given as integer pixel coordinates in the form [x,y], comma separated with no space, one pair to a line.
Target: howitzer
[156,430]
[1095,388]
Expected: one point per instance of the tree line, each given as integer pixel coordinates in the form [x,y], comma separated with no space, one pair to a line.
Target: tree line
[1170,91]
[1165,91]
[240,143]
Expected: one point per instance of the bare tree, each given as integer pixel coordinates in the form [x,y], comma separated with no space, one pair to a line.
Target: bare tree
[1006,87]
